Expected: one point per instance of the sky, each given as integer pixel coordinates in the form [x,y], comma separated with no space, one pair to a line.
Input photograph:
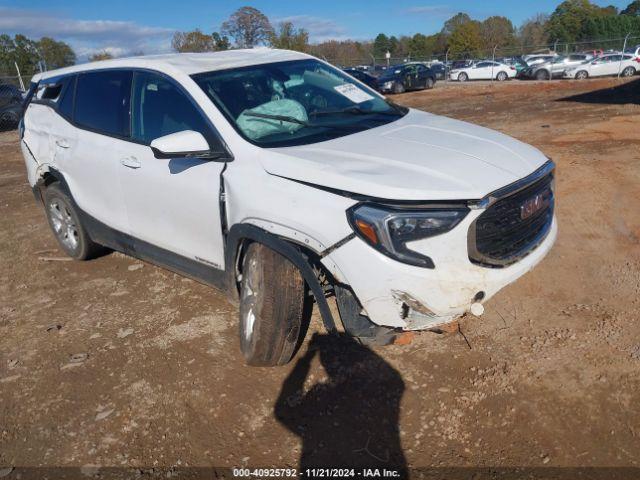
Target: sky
[124,27]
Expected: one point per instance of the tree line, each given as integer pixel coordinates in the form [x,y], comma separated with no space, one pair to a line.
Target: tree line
[573,21]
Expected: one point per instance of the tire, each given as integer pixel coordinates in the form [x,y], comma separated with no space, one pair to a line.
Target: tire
[66,226]
[542,75]
[272,298]
[629,72]
[9,118]
[502,76]
[430,83]
[398,87]
[582,75]
[463,77]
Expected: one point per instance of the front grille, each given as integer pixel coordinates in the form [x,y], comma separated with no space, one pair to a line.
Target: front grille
[513,226]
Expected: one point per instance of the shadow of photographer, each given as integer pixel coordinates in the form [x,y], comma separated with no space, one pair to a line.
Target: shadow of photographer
[351,417]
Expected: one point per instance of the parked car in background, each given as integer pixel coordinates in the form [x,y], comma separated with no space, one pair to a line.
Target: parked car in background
[402,78]
[516,62]
[536,59]
[625,65]
[363,76]
[280,179]
[556,67]
[440,70]
[458,64]
[10,106]
[635,51]
[484,70]
[593,53]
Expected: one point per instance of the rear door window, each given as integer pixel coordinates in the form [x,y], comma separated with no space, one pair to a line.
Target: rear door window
[102,101]
[65,103]
[160,108]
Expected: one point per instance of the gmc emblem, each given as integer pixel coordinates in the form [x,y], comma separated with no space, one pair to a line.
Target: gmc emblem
[533,205]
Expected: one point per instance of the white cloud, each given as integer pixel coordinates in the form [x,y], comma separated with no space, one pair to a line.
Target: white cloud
[319,28]
[87,36]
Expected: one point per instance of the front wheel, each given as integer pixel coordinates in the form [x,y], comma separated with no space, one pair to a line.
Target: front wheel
[502,76]
[66,226]
[272,296]
[542,75]
[629,72]
[463,77]
[398,87]
[582,75]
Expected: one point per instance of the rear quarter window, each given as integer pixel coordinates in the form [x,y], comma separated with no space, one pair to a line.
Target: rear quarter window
[102,101]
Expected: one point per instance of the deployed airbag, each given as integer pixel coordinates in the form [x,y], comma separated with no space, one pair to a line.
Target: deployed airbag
[256,127]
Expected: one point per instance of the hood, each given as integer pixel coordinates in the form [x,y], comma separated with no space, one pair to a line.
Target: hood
[418,157]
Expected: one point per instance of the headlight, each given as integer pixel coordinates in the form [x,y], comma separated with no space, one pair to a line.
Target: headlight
[389,229]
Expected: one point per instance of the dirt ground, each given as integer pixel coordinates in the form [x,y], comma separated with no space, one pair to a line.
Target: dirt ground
[117,363]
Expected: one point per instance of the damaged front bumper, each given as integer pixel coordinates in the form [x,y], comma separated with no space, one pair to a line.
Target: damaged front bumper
[397,295]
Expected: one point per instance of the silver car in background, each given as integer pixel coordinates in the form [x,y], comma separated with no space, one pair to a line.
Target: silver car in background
[556,67]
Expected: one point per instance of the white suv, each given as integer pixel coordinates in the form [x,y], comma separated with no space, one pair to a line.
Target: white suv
[279,179]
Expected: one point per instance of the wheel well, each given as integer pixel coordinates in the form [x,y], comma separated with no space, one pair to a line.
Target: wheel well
[240,237]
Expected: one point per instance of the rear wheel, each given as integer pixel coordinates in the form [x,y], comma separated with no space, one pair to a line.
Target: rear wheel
[502,76]
[463,77]
[66,226]
[272,295]
[629,72]
[582,75]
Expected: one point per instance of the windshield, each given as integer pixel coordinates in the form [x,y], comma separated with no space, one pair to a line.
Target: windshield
[295,103]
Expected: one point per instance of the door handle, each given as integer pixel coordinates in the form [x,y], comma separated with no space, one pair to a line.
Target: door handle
[131,162]
[62,144]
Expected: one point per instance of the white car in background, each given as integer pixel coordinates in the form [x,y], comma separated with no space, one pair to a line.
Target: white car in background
[485,70]
[626,65]
[271,174]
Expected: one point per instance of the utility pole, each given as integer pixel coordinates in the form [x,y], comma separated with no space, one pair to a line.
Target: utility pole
[19,76]
[624,47]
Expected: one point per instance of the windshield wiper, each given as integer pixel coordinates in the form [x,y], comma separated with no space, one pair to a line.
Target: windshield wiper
[286,118]
[282,118]
[354,111]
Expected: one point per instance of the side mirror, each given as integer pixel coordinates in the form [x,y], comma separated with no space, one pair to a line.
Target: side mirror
[187,143]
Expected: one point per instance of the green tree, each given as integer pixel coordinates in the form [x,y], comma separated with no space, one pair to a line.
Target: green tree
[632,9]
[221,42]
[248,27]
[466,40]
[55,54]
[381,45]
[454,22]
[567,22]
[25,53]
[290,38]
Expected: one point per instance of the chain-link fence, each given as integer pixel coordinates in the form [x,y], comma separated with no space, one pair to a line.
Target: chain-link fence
[13,85]
[595,47]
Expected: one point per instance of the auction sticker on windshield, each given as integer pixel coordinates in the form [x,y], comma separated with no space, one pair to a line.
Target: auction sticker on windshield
[353,93]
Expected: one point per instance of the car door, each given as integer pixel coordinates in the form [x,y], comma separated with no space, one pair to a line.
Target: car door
[173,203]
[101,118]
[482,71]
[601,66]
[408,77]
[422,73]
